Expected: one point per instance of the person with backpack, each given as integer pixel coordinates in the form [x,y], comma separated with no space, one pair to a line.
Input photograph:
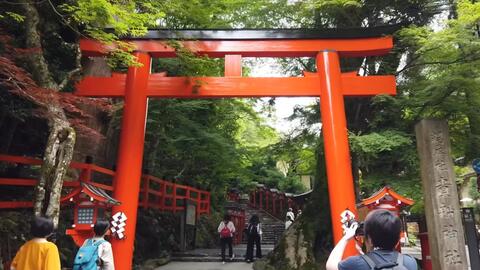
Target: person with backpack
[382,233]
[254,236]
[38,253]
[226,229]
[96,253]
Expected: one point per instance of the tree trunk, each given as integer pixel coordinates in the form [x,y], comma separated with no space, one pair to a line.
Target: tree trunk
[36,61]
[56,160]
[61,140]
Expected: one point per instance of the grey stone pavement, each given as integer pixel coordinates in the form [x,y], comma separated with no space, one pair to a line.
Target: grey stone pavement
[238,250]
[208,259]
[205,266]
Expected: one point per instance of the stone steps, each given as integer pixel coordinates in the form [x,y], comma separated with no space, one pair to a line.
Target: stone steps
[272,227]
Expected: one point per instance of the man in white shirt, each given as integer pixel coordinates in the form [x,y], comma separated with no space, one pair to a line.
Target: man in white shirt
[289,218]
[105,253]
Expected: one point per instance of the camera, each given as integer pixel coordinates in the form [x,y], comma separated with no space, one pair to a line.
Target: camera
[360,231]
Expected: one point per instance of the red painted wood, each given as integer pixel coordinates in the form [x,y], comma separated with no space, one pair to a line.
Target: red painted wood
[337,152]
[130,155]
[330,84]
[102,186]
[222,87]
[18,182]
[255,48]
[233,65]
[20,160]
[13,205]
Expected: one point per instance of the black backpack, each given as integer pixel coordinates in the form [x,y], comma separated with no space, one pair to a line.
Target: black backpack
[375,264]
[252,229]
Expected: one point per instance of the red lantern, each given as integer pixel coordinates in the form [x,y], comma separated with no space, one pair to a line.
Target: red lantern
[90,203]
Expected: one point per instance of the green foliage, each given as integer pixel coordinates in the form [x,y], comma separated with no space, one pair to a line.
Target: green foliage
[188,64]
[442,76]
[108,21]
[123,17]
[207,235]
[217,144]
[388,145]
[14,16]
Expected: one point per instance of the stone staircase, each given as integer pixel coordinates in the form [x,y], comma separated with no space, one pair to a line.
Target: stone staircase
[272,227]
[272,233]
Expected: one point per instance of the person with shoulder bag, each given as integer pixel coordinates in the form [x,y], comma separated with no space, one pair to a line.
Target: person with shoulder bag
[382,233]
[96,253]
[254,237]
[226,229]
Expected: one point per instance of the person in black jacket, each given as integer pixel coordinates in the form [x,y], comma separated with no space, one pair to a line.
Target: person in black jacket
[254,236]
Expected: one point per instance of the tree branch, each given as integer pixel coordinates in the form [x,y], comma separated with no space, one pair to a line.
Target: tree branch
[458,60]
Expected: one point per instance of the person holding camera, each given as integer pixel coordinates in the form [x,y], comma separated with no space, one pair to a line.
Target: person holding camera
[382,233]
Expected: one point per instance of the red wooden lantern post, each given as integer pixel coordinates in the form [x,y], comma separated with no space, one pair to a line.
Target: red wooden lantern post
[90,203]
[282,204]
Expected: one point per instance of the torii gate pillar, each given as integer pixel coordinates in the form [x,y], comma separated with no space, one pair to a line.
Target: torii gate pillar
[130,156]
[328,83]
[337,153]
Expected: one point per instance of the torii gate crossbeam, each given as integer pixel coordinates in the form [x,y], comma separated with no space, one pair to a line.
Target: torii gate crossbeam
[328,83]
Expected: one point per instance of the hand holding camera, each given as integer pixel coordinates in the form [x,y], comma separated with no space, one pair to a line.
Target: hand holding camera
[354,227]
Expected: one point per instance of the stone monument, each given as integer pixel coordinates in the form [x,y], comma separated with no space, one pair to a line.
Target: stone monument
[442,210]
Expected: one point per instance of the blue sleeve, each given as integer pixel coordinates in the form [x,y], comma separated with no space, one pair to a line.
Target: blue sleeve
[353,263]
[409,262]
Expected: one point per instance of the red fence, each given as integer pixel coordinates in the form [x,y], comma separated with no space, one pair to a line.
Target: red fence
[164,195]
[155,193]
[276,202]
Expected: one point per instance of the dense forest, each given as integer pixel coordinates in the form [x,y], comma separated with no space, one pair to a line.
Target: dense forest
[227,143]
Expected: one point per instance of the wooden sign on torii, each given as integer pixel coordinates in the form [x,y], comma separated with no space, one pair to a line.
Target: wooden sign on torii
[328,83]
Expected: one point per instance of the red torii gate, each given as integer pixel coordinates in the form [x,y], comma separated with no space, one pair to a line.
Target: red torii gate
[328,83]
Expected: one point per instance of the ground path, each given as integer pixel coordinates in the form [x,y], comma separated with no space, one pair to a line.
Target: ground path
[205,266]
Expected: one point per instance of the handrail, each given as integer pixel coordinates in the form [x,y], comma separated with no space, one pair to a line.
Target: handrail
[150,197]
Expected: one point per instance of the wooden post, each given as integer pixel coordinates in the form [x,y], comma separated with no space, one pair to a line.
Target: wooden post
[260,201]
[86,174]
[130,155]
[174,200]
[208,203]
[274,204]
[164,195]
[337,153]
[146,189]
[199,202]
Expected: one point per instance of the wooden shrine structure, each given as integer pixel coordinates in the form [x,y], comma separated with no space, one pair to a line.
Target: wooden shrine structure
[328,82]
